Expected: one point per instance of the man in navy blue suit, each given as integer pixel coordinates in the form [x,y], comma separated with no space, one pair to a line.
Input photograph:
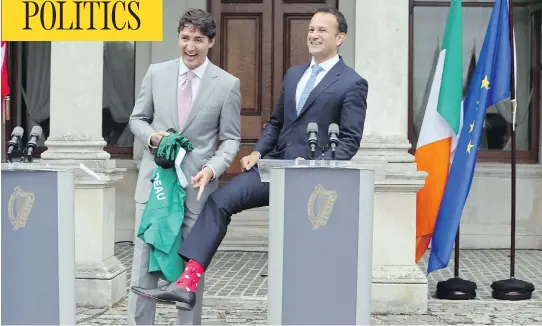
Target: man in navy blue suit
[324,91]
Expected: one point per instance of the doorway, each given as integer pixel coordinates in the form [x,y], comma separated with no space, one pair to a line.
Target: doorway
[257,42]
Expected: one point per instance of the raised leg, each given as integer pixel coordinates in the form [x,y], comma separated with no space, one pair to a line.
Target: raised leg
[245,191]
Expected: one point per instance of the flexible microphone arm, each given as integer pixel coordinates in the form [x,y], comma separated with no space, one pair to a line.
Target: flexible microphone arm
[312,133]
[333,133]
[35,135]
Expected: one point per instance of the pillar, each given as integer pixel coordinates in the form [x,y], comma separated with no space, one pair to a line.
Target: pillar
[76,138]
[382,32]
[76,102]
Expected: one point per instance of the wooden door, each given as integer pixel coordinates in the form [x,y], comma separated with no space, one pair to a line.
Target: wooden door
[257,41]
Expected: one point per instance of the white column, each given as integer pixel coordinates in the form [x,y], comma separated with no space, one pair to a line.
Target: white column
[382,58]
[76,102]
[399,286]
[76,137]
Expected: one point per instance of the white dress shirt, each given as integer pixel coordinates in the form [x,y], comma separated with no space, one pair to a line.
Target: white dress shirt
[326,66]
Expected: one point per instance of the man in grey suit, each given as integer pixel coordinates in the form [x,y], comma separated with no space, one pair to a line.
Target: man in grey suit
[202,102]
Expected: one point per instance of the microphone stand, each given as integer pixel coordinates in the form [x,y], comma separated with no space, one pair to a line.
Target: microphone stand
[332,143]
[27,155]
[15,151]
[313,142]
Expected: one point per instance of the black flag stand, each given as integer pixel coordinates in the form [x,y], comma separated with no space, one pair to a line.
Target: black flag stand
[456,288]
[512,288]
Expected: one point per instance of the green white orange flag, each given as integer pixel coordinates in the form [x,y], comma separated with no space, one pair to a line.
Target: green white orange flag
[440,127]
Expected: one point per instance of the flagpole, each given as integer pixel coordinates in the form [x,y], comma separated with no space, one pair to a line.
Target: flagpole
[512,288]
[456,254]
[513,140]
[470,74]
[456,288]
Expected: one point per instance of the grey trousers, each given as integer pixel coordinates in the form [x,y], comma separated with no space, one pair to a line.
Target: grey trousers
[142,311]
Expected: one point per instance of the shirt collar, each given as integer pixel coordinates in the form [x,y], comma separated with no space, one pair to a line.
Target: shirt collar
[328,64]
[199,71]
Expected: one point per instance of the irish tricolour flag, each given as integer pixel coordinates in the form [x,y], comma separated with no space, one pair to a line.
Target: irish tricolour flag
[440,127]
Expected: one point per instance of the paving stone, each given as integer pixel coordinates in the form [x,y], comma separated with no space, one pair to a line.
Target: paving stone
[405,320]
[234,274]
[235,292]
[227,311]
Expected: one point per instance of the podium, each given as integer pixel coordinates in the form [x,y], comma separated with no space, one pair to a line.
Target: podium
[320,242]
[38,245]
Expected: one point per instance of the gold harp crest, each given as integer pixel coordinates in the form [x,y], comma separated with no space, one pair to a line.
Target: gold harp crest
[19,206]
[320,206]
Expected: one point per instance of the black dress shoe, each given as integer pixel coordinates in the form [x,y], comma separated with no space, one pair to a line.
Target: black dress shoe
[172,294]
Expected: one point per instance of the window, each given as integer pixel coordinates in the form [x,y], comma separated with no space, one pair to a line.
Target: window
[428,19]
[118,97]
[30,81]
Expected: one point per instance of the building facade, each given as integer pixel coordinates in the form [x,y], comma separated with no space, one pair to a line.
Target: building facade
[82,94]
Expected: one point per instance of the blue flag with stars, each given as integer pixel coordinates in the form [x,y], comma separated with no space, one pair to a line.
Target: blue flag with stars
[489,86]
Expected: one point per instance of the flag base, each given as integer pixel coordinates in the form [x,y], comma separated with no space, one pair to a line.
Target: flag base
[456,289]
[512,289]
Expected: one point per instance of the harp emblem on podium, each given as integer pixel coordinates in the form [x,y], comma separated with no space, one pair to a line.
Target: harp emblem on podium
[320,206]
[19,206]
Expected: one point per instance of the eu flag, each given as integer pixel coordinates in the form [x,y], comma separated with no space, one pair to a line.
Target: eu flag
[489,86]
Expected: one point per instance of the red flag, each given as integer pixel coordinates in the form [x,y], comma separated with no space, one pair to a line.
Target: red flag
[5,84]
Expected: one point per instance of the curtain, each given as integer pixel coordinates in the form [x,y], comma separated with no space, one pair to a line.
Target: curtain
[36,88]
[118,89]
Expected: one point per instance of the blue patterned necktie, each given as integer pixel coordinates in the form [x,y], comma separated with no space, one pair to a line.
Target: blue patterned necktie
[316,69]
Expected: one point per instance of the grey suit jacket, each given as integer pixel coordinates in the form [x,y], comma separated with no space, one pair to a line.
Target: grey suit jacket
[213,124]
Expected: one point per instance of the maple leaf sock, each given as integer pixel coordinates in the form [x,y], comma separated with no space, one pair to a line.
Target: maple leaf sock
[189,279]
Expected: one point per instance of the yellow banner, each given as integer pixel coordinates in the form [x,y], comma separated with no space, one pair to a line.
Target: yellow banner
[81,20]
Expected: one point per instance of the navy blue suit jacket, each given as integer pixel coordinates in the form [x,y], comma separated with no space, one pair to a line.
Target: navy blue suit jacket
[340,97]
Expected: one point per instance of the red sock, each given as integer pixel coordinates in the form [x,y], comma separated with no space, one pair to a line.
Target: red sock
[190,277]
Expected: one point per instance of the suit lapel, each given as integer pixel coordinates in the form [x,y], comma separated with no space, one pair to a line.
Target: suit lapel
[291,92]
[331,77]
[205,89]
[172,83]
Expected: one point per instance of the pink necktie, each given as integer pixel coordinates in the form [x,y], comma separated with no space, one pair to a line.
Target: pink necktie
[184,98]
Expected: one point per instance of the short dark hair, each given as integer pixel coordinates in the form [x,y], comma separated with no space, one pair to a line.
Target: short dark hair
[199,18]
[343,26]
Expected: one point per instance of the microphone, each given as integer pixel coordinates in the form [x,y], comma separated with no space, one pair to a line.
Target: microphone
[35,134]
[333,133]
[312,132]
[14,144]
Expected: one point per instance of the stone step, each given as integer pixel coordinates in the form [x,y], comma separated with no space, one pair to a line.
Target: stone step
[248,231]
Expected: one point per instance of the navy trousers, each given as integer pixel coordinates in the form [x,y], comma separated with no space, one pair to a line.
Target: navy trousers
[245,191]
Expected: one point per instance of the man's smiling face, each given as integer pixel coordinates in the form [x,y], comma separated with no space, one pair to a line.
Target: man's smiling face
[194,46]
[324,37]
